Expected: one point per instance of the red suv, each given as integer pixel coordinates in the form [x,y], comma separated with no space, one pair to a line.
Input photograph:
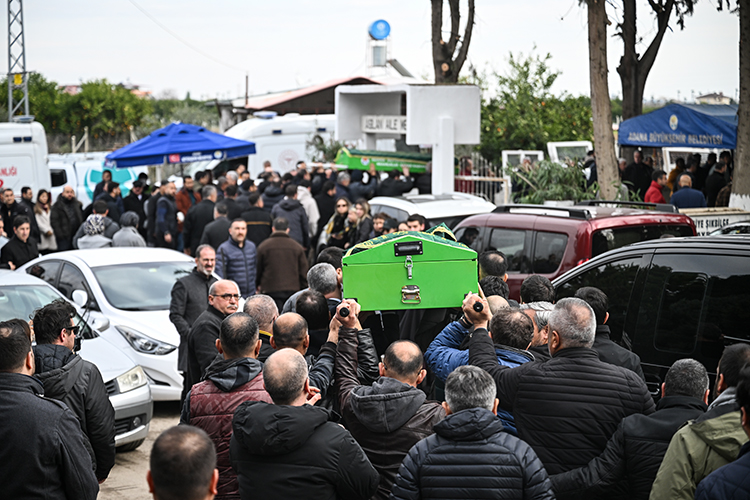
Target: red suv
[538,239]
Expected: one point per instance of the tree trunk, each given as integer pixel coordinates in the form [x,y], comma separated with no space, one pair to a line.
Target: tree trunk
[601,108]
[741,184]
[447,66]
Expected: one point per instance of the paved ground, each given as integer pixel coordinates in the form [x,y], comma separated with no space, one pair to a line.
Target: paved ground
[127,481]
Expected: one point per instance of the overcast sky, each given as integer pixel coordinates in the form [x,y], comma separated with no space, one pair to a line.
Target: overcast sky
[290,43]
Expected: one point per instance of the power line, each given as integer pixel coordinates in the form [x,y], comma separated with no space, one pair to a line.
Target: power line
[183,41]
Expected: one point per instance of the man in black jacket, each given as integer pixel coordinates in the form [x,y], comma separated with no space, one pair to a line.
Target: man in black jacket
[21,248]
[258,220]
[223,300]
[190,298]
[65,217]
[569,407]
[394,185]
[10,208]
[27,201]
[309,456]
[76,382]
[470,455]
[609,352]
[133,202]
[166,218]
[636,449]
[198,217]
[217,232]
[109,197]
[390,416]
[43,452]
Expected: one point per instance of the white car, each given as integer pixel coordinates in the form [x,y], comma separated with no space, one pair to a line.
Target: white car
[130,288]
[127,386]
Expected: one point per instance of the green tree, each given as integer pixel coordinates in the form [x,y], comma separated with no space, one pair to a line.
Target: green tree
[44,101]
[525,114]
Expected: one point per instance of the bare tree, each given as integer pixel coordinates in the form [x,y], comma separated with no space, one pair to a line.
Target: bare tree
[601,109]
[741,182]
[445,59]
[634,67]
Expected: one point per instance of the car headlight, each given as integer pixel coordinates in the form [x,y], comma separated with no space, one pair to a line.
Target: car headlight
[143,343]
[132,379]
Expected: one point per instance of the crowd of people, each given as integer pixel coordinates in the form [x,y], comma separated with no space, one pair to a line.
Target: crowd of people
[507,400]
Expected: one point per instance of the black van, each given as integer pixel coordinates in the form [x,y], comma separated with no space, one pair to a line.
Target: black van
[672,298]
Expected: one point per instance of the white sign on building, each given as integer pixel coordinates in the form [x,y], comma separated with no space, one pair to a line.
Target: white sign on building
[380,124]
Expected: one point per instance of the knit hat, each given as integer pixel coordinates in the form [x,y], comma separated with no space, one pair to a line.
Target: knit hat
[94,225]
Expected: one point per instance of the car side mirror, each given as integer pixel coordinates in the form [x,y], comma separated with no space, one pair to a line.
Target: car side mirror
[100,324]
[80,298]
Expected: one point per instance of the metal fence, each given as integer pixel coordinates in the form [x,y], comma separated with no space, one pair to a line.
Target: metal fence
[486,181]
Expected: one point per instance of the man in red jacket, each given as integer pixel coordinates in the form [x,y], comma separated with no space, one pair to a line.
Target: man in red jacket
[237,377]
[658,181]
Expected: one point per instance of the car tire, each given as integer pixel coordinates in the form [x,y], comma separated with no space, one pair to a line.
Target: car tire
[130,446]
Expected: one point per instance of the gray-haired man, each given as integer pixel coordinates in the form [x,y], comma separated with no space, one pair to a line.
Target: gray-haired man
[471,438]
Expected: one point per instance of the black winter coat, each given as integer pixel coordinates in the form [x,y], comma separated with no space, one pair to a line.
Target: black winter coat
[386,418]
[470,456]
[634,453]
[395,187]
[216,233]
[326,207]
[614,354]
[189,300]
[582,398]
[133,204]
[18,252]
[201,349]
[198,217]
[293,211]
[43,452]
[76,382]
[297,452]
[60,217]
[258,224]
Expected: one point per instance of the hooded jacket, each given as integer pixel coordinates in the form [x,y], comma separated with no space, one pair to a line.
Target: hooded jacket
[501,465]
[76,382]
[634,452]
[43,452]
[211,404]
[237,263]
[581,397]
[272,195]
[297,452]
[293,211]
[311,209]
[730,482]
[128,236]
[711,441]
[443,356]
[189,300]
[386,418]
[110,228]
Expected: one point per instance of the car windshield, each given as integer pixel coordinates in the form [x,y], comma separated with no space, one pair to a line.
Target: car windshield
[140,287]
[21,301]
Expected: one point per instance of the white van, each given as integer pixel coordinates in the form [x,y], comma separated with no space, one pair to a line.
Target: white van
[23,157]
[83,171]
[282,140]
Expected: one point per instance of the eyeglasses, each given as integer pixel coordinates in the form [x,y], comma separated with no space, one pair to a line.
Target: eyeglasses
[342,205]
[73,329]
[229,296]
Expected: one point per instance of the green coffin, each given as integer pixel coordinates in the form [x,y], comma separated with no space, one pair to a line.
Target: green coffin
[409,270]
[384,161]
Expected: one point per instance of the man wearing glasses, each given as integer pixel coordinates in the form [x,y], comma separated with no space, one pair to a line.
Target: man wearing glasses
[223,300]
[76,382]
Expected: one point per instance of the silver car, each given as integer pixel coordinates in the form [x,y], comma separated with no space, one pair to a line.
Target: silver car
[126,382]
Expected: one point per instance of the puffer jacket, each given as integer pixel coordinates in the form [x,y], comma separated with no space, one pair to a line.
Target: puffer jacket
[634,452]
[76,382]
[731,482]
[210,405]
[238,263]
[387,418]
[711,441]
[581,397]
[443,356]
[502,466]
[297,452]
[293,211]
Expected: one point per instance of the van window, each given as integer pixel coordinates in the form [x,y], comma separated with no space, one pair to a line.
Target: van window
[548,251]
[702,302]
[58,177]
[512,243]
[605,240]
[616,280]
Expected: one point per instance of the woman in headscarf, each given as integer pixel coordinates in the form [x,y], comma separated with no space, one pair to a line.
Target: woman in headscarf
[93,233]
[128,235]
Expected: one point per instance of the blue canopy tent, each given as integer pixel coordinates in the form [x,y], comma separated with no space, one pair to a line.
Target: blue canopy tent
[683,125]
[179,143]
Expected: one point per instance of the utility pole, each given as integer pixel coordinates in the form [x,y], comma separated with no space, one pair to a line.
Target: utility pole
[17,76]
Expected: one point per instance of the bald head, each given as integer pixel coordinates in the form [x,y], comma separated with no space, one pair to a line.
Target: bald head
[496,303]
[285,377]
[290,330]
[263,309]
[686,181]
[403,361]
